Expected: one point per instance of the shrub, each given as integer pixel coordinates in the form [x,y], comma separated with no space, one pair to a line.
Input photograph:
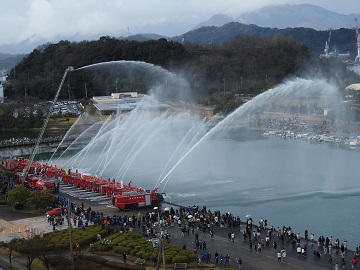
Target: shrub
[171,252]
[140,254]
[168,258]
[86,240]
[146,256]
[18,195]
[60,245]
[133,252]
[114,237]
[184,252]
[192,257]
[180,259]
[122,250]
[102,248]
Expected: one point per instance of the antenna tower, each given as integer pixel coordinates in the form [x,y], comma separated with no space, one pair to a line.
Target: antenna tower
[357,58]
[327,45]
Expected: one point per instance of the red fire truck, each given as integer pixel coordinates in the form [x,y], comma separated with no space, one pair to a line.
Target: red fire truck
[137,198]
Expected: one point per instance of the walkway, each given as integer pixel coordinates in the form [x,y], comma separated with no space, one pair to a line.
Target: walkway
[251,260]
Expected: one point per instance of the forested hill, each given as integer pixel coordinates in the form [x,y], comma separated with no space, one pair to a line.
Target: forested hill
[8,61]
[343,39]
[244,64]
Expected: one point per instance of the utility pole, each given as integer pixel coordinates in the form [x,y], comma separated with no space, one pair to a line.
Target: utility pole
[68,90]
[224,85]
[70,235]
[162,245]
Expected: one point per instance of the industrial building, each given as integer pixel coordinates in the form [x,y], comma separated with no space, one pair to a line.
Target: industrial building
[345,57]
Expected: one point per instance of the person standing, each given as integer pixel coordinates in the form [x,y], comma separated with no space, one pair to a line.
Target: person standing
[279,256]
[283,254]
[312,236]
[330,261]
[275,246]
[354,262]
[239,261]
[244,235]
[227,260]
[298,250]
[77,249]
[216,257]
[221,259]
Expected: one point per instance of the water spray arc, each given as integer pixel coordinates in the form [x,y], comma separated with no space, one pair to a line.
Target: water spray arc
[82,154]
[114,143]
[134,153]
[248,109]
[199,131]
[83,135]
[64,138]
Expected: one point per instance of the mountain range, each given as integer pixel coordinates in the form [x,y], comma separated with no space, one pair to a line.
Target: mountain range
[270,20]
[284,16]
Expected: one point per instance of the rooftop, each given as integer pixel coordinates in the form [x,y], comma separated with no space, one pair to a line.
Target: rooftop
[127,102]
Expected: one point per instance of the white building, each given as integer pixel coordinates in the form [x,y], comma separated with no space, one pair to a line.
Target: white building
[126,102]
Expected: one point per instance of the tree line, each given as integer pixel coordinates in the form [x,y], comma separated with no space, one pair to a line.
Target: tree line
[215,73]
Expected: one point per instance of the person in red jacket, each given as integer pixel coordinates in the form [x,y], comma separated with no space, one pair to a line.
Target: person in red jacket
[354,262]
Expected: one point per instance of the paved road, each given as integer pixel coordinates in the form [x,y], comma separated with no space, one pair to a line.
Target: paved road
[8,213]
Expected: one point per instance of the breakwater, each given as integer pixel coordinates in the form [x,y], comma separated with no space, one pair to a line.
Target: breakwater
[29,142]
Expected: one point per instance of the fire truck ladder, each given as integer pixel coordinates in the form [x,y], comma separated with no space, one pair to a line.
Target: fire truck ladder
[46,121]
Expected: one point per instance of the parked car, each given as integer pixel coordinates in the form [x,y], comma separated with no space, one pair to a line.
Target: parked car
[54,212]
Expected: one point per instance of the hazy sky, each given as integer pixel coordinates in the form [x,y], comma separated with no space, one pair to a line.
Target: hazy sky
[47,20]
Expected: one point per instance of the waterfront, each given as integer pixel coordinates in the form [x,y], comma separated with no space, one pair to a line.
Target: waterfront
[292,182]
[289,182]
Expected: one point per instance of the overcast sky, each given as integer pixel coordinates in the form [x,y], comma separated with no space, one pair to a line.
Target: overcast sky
[47,20]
